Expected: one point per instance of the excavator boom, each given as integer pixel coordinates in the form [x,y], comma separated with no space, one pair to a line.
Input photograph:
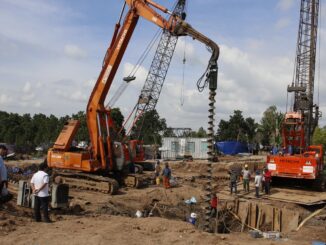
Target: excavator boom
[106,153]
[96,110]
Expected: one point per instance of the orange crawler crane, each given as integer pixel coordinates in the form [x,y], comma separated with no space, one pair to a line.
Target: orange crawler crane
[105,164]
[299,159]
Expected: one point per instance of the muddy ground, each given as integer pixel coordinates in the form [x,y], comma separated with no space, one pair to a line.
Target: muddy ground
[96,218]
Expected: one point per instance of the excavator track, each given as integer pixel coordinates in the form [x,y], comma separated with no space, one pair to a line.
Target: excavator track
[86,181]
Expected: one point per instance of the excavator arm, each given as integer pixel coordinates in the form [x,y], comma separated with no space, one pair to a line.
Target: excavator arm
[97,116]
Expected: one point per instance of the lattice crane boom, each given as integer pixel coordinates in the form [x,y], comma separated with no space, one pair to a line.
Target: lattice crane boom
[303,84]
[152,88]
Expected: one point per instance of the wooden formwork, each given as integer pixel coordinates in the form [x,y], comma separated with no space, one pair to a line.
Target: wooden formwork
[266,217]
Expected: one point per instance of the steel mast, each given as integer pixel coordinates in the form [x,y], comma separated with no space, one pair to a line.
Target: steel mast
[303,84]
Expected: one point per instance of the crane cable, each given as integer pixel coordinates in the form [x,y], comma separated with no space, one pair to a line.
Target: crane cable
[183,73]
[131,75]
[145,53]
[319,44]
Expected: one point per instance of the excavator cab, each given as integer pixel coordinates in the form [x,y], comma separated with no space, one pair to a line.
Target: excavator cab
[137,150]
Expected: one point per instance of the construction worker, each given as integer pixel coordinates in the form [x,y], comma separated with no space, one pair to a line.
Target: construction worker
[267,181]
[246,178]
[166,176]
[214,203]
[233,181]
[258,179]
[40,187]
[157,172]
[263,180]
[3,169]
[192,219]
[275,150]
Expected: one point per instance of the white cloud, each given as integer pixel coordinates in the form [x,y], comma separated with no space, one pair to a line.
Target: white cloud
[246,82]
[285,5]
[73,51]
[5,99]
[255,44]
[72,95]
[23,104]
[27,87]
[90,83]
[79,96]
[39,84]
[28,97]
[37,104]
[282,23]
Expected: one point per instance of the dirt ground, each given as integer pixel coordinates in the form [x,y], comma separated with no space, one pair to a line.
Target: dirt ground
[96,218]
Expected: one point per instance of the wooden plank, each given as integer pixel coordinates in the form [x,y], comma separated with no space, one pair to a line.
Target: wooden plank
[243,213]
[253,215]
[236,208]
[245,220]
[298,196]
[260,218]
[276,219]
[290,221]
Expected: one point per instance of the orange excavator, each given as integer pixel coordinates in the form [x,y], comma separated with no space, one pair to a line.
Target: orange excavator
[301,162]
[105,164]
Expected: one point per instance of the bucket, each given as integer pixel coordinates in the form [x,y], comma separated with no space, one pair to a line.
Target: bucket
[272,235]
[158,180]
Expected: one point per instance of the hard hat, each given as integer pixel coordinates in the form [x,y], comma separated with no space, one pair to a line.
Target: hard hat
[193,215]
[246,165]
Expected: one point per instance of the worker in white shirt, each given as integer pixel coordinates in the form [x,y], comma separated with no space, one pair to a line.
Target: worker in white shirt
[40,187]
[258,179]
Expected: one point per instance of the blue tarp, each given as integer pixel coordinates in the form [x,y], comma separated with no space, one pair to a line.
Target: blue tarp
[231,147]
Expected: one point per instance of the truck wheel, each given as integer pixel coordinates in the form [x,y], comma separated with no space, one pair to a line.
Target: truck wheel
[322,186]
[320,183]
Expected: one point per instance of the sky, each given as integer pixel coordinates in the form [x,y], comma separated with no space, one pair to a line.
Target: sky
[51,53]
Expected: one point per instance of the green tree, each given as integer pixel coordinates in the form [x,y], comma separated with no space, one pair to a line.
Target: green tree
[152,125]
[251,129]
[118,119]
[82,133]
[270,126]
[237,128]
[201,133]
[319,136]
